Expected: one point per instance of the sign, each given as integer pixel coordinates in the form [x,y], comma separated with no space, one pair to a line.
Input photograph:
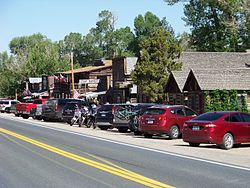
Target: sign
[89,81]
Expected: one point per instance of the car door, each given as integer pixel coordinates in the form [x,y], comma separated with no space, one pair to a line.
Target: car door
[181,118]
[238,127]
[246,119]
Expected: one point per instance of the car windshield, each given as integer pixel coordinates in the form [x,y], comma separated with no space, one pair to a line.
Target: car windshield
[5,102]
[211,116]
[154,111]
[106,108]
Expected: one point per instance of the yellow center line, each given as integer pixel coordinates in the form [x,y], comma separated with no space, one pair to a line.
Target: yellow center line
[112,170]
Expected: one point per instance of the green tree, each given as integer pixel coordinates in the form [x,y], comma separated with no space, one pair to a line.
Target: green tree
[72,43]
[157,58]
[218,25]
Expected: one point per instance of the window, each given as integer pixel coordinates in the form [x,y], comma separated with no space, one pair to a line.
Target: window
[179,111]
[154,111]
[190,112]
[233,118]
[210,116]
[245,117]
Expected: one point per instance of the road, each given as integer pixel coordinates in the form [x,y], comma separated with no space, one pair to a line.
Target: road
[34,155]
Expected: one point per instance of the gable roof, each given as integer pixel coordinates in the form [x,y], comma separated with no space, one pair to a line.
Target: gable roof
[212,79]
[208,60]
[214,60]
[179,77]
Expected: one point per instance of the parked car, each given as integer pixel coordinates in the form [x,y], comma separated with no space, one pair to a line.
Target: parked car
[165,120]
[6,104]
[52,108]
[224,129]
[138,110]
[25,109]
[122,113]
[36,111]
[19,106]
[69,109]
[12,108]
[104,116]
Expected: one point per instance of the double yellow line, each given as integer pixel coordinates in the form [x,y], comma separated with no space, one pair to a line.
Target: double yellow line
[110,169]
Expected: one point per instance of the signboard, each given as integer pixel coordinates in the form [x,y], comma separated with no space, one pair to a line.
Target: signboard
[89,81]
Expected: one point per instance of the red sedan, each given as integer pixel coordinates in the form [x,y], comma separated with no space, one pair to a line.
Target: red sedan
[165,120]
[224,129]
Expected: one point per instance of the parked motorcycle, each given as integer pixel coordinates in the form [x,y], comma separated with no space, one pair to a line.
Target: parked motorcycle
[87,118]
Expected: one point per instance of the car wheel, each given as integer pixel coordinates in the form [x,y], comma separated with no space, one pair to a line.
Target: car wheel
[228,141]
[137,133]
[25,116]
[148,135]
[104,128]
[122,130]
[194,144]
[174,132]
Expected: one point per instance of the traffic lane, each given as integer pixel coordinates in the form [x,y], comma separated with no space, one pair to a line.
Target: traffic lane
[25,165]
[174,170]
[236,156]
[69,143]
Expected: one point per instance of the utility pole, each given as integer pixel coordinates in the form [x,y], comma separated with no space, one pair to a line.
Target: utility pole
[72,74]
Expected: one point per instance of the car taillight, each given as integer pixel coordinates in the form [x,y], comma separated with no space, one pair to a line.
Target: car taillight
[57,108]
[210,125]
[162,118]
[113,109]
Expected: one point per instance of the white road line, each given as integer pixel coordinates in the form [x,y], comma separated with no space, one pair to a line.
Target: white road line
[136,146]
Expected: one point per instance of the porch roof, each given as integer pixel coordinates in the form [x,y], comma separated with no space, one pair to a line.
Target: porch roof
[108,64]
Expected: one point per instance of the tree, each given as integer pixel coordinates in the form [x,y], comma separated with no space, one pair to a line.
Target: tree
[72,43]
[157,58]
[218,25]
[33,56]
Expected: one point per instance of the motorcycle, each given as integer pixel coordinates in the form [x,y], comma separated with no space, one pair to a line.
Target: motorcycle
[76,117]
[87,118]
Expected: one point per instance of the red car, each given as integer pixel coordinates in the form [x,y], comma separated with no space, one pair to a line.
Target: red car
[165,120]
[225,129]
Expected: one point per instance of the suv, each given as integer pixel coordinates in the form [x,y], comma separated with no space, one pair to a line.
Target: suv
[104,116]
[138,110]
[52,108]
[6,104]
[69,109]
[165,120]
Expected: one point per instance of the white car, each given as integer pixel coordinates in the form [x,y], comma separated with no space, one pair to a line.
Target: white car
[6,104]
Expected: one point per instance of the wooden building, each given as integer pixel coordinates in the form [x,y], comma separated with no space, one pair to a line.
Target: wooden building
[199,81]
[123,87]
[201,61]
[94,78]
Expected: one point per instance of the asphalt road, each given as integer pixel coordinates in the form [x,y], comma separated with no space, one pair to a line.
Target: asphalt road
[35,156]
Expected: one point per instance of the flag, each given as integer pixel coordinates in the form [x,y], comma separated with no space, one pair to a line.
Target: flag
[76,94]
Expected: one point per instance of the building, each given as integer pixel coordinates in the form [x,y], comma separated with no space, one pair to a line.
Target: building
[201,61]
[96,78]
[123,87]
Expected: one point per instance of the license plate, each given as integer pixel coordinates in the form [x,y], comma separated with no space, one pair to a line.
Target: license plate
[195,128]
[103,115]
[150,122]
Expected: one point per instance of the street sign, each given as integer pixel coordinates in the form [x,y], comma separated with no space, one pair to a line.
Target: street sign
[89,81]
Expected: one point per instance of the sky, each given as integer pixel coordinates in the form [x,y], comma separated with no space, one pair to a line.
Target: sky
[57,18]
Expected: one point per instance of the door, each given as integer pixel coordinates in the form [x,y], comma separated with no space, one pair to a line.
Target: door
[246,119]
[238,127]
